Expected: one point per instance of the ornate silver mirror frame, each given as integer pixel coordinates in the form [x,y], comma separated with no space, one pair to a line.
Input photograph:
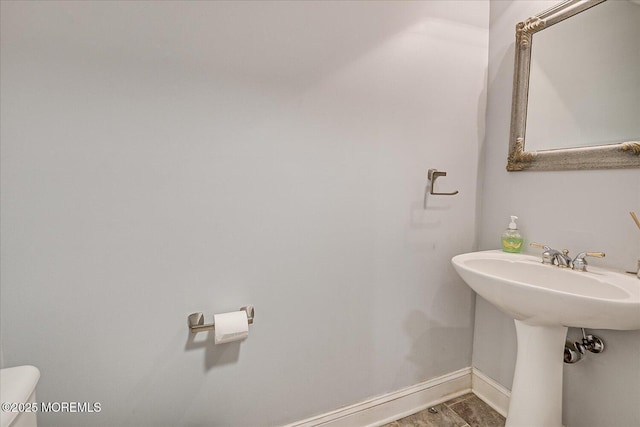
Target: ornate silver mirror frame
[612,156]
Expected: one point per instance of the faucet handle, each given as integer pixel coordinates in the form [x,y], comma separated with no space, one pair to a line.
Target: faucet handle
[596,254]
[580,263]
[539,245]
[547,255]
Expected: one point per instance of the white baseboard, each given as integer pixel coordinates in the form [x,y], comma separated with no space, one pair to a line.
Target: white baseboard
[401,403]
[492,393]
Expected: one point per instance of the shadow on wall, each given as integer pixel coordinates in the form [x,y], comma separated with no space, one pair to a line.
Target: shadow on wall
[214,355]
[165,373]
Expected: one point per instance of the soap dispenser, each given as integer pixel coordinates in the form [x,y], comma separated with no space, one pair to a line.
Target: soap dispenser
[511,239]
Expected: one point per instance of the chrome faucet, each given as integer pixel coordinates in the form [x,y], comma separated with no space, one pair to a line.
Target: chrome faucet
[553,256]
[580,263]
[563,260]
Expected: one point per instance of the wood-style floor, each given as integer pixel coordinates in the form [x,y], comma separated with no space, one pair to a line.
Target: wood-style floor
[464,411]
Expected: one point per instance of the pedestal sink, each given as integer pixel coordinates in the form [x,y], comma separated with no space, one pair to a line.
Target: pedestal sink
[544,301]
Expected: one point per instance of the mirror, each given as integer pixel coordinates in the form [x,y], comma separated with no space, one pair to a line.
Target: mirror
[577,94]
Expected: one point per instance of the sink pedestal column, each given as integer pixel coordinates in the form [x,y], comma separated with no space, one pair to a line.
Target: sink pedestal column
[536,394]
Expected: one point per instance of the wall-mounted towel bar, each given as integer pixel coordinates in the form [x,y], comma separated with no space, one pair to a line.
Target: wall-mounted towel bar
[432,175]
[196,320]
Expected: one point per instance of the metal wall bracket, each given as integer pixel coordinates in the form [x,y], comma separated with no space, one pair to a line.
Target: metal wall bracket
[433,174]
[196,320]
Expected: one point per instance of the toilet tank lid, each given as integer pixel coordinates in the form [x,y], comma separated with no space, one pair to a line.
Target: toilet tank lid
[16,386]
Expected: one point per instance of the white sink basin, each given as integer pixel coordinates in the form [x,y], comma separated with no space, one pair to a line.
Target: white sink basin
[18,385]
[539,294]
[544,300]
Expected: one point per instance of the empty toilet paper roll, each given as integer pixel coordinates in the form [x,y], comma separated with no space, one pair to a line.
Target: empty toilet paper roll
[232,326]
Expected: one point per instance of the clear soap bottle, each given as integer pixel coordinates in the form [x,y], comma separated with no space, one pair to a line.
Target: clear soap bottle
[511,238]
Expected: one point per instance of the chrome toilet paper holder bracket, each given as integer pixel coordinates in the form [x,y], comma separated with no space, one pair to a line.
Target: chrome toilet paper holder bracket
[196,320]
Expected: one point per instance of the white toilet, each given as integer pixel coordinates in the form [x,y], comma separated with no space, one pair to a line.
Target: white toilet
[18,385]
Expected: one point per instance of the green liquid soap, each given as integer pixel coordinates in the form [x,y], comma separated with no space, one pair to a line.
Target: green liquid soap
[511,239]
[512,244]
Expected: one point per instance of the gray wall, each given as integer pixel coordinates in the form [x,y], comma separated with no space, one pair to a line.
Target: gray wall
[586,210]
[161,158]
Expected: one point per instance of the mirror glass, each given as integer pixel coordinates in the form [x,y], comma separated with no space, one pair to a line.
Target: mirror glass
[584,86]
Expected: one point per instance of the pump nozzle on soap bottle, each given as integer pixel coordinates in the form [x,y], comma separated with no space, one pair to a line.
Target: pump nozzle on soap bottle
[511,239]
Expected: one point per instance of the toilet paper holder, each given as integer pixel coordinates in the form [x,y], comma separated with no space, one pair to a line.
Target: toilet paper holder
[196,320]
